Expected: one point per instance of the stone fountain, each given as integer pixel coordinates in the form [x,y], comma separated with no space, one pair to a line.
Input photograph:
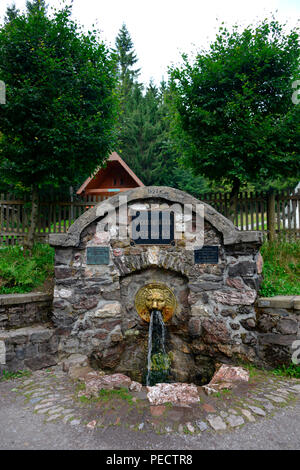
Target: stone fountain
[199,299]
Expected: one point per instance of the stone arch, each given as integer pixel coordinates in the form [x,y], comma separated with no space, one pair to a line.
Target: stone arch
[230,233]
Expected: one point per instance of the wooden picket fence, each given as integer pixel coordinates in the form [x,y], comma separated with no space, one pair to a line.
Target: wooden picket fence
[277,213]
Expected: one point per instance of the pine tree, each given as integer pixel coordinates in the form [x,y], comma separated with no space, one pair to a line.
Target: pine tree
[33,6]
[11,13]
[144,128]
[126,59]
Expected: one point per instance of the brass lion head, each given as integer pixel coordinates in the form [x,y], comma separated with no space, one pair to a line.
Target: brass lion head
[155,296]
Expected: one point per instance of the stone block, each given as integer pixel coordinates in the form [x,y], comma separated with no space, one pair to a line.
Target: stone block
[215,332]
[107,309]
[246,297]
[40,336]
[116,335]
[2,352]
[279,301]
[41,361]
[287,326]
[198,310]
[63,256]
[78,360]
[243,269]
[296,302]
[194,326]
[248,323]
[278,339]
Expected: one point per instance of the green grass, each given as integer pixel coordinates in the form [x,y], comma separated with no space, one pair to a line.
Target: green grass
[281,270]
[291,370]
[109,395]
[20,273]
[6,375]
[122,393]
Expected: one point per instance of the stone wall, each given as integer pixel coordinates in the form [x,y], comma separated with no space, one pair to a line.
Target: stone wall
[277,329]
[93,308]
[27,337]
[21,310]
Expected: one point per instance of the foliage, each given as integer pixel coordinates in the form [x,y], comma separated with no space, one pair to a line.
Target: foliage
[11,13]
[281,269]
[61,102]
[126,60]
[122,393]
[160,368]
[160,361]
[232,112]
[60,99]
[145,145]
[292,370]
[21,274]
[144,141]
[7,375]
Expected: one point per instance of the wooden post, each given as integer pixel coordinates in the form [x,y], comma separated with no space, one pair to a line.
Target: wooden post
[271,215]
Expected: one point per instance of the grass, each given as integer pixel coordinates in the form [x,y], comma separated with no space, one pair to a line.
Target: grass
[20,273]
[292,370]
[6,375]
[122,393]
[281,270]
[108,395]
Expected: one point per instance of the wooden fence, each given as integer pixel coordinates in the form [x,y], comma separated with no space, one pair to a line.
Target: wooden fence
[273,213]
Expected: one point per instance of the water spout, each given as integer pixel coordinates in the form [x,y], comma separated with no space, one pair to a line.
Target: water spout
[156,346]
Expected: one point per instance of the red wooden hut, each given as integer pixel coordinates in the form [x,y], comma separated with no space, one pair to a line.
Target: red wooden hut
[111,179]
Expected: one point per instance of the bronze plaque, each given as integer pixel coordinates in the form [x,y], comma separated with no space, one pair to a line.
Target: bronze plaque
[97,255]
[207,255]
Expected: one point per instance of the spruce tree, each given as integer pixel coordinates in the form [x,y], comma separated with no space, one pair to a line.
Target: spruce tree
[126,60]
[11,13]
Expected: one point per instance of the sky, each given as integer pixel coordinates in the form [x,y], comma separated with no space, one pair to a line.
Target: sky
[161,30]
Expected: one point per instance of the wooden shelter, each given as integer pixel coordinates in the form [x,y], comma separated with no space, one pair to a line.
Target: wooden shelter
[111,179]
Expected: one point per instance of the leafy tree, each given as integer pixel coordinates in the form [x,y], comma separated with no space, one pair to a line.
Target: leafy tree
[61,103]
[233,116]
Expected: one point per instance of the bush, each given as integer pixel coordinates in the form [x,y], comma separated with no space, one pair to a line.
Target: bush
[281,270]
[20,273]
[292,370]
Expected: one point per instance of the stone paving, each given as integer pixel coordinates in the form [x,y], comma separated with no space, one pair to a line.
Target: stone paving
[53,395]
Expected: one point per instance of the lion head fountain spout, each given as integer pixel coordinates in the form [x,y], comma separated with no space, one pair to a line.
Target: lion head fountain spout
[156,303]
[155,300]
[155,296]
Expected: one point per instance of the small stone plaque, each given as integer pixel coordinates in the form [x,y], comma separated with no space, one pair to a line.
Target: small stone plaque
[97,255]
[207,255]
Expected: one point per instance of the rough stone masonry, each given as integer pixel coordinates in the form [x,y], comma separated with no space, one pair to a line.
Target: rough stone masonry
[217,317]
[94,311]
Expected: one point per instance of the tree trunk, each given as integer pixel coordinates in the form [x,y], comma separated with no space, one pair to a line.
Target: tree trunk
[30,239]
[233,199]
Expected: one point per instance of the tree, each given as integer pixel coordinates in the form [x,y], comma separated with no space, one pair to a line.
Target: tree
[34,6]
[233,119]
[143,126]
[61,105]
[126,60]
[11,13]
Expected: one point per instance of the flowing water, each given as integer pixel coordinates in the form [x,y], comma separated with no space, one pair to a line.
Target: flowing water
[158,361]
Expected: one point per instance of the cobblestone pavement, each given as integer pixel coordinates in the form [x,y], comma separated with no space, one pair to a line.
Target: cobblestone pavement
[52,396]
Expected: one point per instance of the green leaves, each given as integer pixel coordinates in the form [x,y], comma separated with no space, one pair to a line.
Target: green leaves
[59,120]
[231,109]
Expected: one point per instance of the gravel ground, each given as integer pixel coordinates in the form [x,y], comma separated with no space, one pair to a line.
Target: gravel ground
[22,428]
